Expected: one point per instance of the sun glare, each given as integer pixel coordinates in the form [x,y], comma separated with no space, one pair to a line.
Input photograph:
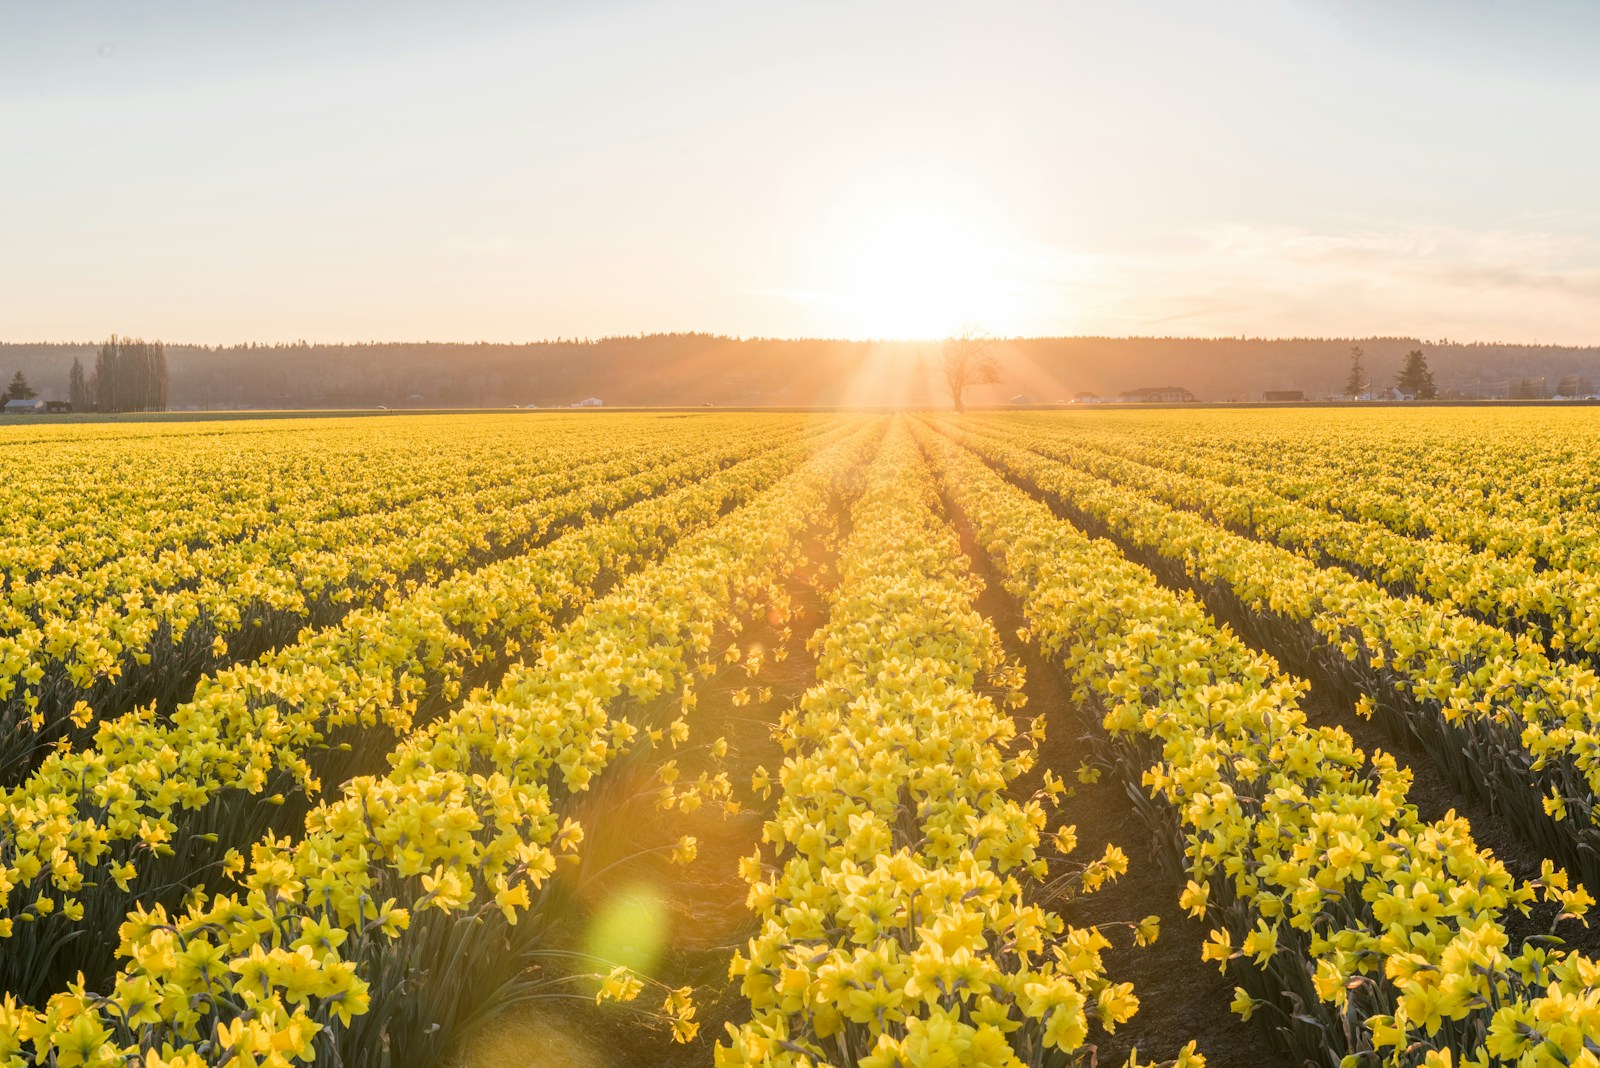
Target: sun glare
[920,273]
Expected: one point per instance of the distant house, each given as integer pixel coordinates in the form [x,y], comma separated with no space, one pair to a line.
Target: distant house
[1158,395]
[57,406]
[1283,396]
[590,402]
[1085,397]
[24,407]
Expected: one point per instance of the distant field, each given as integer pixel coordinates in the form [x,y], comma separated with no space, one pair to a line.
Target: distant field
[785,738]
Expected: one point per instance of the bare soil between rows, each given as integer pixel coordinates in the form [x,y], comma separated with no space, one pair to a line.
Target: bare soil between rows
[697,910]
[1181,998]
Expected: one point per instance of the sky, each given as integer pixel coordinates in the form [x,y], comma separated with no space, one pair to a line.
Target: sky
[221,171]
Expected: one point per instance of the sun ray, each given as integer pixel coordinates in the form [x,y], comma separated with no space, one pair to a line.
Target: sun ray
[917,271]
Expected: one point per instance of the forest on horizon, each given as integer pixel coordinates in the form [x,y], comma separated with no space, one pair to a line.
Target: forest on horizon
[696,369]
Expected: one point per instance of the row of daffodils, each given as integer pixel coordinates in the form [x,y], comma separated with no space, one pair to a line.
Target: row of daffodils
[413,896]
[157,804]
[370,806]
[1371,935]
[144,611]
[1516,482]
[896,891]
[1495,710]
[1515,591]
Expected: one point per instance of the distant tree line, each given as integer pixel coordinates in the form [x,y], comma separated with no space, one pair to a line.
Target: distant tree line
[130,375]
[695,369]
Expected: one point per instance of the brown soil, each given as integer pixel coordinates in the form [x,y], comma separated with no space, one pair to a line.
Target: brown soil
[1435,796]
[1181,998]
[701,905]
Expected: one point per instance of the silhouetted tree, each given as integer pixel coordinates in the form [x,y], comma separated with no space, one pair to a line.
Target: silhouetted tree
[1415,378]
[19,389]
[1356,384]
[107,395]
[78,394]
[966,359]
[130,376]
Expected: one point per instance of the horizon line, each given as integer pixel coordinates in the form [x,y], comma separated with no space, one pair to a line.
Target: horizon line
[743,339]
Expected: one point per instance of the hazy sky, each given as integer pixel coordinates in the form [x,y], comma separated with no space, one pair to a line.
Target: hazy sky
[272,170]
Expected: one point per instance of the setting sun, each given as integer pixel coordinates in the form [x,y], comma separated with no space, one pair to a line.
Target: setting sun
[917,271]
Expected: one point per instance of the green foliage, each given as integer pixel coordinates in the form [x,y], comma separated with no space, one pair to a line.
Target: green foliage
[18,390]
[130,375]
[1415,378]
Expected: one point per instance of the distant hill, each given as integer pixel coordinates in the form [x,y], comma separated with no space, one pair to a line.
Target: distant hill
[695,369]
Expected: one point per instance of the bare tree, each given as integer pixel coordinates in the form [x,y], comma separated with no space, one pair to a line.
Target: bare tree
[967,359]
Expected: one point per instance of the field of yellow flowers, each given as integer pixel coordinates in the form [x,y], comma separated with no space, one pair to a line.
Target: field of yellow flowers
[747,739]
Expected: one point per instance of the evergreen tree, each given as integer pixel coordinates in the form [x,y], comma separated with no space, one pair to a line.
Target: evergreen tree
[1415,378]
[19,388]
[1356,384]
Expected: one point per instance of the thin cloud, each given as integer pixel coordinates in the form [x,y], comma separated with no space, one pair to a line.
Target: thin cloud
[1418,281]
